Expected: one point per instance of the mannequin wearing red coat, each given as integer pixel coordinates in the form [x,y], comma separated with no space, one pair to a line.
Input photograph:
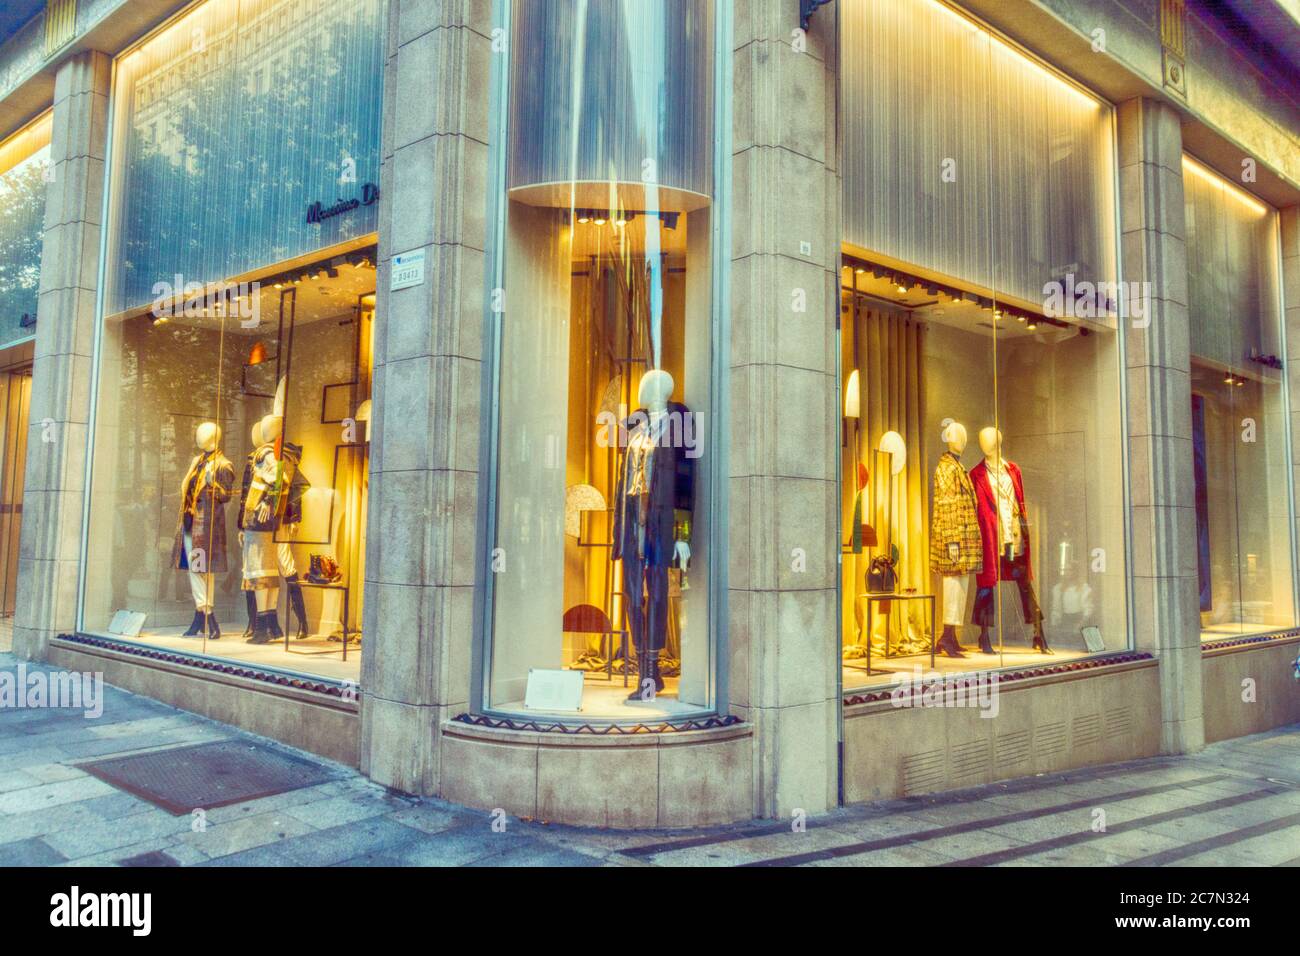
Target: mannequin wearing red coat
[1006,552]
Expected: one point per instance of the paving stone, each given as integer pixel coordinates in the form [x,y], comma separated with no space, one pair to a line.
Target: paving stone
[31,852]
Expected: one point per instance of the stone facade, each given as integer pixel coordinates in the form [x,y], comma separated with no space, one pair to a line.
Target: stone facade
[779,667]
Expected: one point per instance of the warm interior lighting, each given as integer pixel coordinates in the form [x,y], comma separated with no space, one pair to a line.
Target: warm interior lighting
[1222,182]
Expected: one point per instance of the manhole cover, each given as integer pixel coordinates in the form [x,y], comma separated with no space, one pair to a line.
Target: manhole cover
[208,775]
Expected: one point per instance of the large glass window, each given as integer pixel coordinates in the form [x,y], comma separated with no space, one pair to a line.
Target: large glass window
[983,491]
[230,458]
[24,168]
[598,577]
[1239,407]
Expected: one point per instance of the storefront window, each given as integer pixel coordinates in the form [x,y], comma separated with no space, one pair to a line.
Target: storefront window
[24,168]
[983,504]
[598,578]
[1239,435]
[229,472]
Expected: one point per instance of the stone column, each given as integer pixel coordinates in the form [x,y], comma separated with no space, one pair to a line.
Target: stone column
[1153,250]
[783,545]
[50,549]
[1290,224]
[424,454]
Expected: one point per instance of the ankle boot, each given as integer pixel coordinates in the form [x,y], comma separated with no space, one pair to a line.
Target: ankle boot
[273,624]
[652,671]
[299,609]
[642,675]
[986,645]
[261,628]
[250,601]
[196,625]
[948,642]
[1040,642]
[214,631]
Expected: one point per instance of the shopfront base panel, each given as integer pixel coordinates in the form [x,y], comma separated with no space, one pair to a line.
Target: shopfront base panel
[1250,688]
[317,723]
[1042,725]
[682,779]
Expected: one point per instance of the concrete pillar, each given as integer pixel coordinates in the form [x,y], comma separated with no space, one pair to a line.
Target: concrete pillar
[420,557]
[1290,224]
[1153,251]
[783,545]
[50,549]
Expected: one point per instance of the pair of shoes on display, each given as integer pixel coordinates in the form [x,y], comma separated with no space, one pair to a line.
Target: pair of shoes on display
[1040,642]
[204,622]
[324,570]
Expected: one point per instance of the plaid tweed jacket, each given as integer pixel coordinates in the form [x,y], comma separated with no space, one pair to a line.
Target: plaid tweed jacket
[953,521]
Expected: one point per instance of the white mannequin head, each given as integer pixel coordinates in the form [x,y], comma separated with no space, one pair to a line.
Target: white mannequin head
[207,436]
[257,433]
[991,442]
[655,389]
[954,436]
[270,429]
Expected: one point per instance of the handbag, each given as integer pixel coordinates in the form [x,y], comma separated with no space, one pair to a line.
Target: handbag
[881,577]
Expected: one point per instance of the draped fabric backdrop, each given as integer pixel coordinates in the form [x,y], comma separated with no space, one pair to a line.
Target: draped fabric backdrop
[889,351]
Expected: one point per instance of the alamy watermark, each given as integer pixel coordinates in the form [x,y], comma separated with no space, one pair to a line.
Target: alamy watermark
[195,300]
[672,428]
[978,691]
[73,690]
[1084,299]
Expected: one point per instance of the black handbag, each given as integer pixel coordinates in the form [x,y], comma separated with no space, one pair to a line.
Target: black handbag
[881,578]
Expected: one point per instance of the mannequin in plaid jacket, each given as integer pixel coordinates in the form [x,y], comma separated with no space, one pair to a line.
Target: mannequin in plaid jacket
[956,548]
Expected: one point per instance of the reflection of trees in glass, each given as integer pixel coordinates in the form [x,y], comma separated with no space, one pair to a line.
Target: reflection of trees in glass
[218,175]
[22,226]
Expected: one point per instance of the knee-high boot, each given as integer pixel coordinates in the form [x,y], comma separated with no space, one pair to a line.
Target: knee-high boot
[299,607]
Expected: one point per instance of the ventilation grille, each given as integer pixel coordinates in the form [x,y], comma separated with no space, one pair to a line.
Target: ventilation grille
[1087,731]
[971,762]
[1050,740]
[924,772]
[1013,750]
[1119,722]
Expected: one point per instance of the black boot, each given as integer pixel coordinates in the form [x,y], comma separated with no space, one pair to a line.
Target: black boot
[948,642]
[261,628]
[250,600]
[273,622]
[299,609]
[642,675]
[196,625]
[1040,642]
[986,646]
[652,671]
[214,632]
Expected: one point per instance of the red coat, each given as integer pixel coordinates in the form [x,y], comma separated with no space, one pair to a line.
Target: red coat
[986,513]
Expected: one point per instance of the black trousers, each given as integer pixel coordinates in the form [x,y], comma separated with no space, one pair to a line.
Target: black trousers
[985,611]
[645,599]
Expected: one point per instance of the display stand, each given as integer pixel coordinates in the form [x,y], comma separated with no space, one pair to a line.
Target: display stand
[873,598]
[346,607]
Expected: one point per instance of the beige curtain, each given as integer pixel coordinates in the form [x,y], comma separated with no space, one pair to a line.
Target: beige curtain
[890,350]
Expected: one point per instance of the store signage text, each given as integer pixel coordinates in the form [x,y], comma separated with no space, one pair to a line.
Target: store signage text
[319,212]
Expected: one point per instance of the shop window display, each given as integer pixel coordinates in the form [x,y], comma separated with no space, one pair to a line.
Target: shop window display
[598,579]
[982,452]
[1239,437]
[228,476]
[24,166]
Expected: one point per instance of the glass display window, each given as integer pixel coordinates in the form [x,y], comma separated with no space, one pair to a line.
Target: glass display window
[230,448]
[597,573]
[24,170]
[1240,450]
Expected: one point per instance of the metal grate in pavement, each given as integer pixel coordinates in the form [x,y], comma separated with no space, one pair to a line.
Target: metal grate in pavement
[183,779]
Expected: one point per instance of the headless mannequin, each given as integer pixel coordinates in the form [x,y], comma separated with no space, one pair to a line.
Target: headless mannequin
[956,587]
[1012,544]
[645,581]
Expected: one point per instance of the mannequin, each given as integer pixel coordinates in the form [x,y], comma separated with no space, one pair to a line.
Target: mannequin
[290,518]
[1004,531]
[257,524]
[200,543]
[956,549]
[655,495]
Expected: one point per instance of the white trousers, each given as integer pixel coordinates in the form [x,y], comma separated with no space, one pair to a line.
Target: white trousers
[200,584]
[955,591]
[284,557]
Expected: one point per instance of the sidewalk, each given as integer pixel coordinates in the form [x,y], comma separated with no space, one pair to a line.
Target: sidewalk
[1234,804]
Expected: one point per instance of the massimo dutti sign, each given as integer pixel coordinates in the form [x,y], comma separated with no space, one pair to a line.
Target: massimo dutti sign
[319,212]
